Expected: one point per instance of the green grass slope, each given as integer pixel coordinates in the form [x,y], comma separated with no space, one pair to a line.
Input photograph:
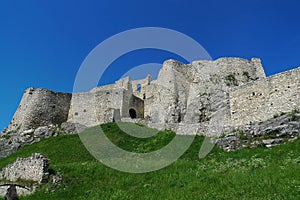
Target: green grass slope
[245,174]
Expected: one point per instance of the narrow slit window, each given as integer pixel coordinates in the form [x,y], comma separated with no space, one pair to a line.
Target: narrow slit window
[139,88]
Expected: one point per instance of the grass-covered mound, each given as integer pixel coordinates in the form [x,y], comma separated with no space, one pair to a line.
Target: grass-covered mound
[245,174]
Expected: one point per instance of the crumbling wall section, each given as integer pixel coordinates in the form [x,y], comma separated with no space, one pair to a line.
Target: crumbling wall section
[40,107]
[197,94]
[33,168]
[105,104]
[190,98]
[264,99]
[139,87]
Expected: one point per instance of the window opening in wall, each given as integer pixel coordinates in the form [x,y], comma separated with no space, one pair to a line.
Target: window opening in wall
[139,87]
[132,113]
[179,119]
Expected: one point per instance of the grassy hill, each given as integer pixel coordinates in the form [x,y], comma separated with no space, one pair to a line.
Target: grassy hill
[245,174]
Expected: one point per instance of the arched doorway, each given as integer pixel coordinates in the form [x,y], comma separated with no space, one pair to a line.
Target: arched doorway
[132,113]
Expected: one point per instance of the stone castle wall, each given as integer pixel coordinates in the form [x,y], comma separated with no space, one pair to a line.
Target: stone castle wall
[139,87]
[96,107]
[40,107]
[264,99]
[105,104]
[190,98]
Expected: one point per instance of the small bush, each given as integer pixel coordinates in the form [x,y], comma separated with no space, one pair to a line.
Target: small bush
[231,80]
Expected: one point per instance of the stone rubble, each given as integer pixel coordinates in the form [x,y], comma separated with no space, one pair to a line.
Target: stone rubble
[33,169]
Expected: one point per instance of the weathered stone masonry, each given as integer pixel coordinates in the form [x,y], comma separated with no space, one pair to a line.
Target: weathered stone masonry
[34,168]
[187,98]
[106,104]
[263,99]
[40,107]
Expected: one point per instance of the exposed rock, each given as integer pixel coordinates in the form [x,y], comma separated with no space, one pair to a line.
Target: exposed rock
[269,133]
[272,142]
[230,142]
[57,179]
[46,131]
[11,141]
[72,128]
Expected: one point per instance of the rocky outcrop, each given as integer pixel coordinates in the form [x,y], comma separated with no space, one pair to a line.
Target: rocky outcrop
[283,127]
[11,141]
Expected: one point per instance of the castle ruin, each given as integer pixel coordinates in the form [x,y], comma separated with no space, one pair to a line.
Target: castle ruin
[186,98]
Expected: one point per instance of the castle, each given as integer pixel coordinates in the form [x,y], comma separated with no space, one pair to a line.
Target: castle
[187,98]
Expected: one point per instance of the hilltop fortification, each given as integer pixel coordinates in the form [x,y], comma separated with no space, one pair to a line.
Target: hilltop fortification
[187,98]
[40,107]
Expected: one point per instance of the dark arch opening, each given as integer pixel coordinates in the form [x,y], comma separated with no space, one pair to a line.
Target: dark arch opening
[132,113]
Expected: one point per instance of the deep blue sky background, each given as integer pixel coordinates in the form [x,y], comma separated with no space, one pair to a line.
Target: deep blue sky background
[43,43]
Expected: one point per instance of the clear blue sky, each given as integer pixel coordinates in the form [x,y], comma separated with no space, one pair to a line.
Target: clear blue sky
[43,43]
